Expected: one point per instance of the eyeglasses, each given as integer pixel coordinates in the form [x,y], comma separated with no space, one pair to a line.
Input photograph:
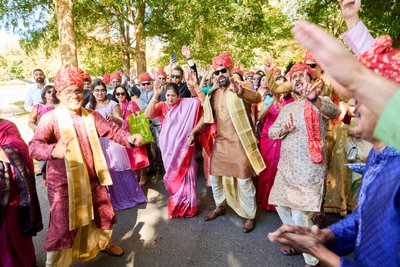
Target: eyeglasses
[49,92]
[120,94]
[161,78]
[313,66]
[256,79]
[99,90]
[216,73]
[173,76]
[70,93]
[144,84]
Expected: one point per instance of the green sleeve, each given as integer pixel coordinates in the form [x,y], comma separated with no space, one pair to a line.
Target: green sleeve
[388,127]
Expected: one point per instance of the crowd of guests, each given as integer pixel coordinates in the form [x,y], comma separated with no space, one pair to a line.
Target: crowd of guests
[293,133]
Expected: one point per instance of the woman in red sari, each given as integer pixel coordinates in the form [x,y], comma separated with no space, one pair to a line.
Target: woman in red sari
[137,156]
[270,149]
[178,117]
[20,217]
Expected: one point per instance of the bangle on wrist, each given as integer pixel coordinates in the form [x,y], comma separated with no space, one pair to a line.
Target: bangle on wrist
[314,99]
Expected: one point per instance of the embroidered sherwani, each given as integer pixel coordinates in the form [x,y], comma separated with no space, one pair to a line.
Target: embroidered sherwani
[228,157]
[299,182]
[40,147]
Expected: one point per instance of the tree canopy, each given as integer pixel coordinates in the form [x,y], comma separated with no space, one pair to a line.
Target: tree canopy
[112,34]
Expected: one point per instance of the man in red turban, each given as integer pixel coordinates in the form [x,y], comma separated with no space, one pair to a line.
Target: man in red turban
[81,214]
[301,125]
[232,161]
[116,79]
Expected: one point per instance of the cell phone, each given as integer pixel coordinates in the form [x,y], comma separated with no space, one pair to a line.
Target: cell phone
[173,58]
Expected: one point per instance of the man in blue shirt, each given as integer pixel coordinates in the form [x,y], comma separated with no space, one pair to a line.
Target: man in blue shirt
[372,231]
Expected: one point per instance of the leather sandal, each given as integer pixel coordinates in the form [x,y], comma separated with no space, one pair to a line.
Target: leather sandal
[212,215]
[113,250]
[249,225]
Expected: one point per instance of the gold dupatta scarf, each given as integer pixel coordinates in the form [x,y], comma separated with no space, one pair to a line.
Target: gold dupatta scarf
[79,189]
[238,114]
[89,239]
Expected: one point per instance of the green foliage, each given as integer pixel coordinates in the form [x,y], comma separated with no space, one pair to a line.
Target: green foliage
[212,26]
[251,30]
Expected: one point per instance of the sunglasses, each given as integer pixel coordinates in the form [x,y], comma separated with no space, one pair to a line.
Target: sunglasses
[313,66]
[49,92]
[99,90]
[217,72]
[144,84]
[256,79]
[175,76]
[120,94]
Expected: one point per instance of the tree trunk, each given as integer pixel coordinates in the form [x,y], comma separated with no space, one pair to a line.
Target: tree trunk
[140,48]
[66,31]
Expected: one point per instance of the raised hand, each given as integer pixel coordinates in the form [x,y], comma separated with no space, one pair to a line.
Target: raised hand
[204,72]
[190,78]
[270,65]
[235,86]
[157,87]
[136,140]
[61,148]
[153,74]
[350,10]
[288,126]
[310,91]
[186,51]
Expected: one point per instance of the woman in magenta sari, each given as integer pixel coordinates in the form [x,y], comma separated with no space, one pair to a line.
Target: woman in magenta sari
[178,117]
[270,149]
[20,217]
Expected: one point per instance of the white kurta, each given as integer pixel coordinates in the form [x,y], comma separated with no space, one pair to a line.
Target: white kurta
[299,183]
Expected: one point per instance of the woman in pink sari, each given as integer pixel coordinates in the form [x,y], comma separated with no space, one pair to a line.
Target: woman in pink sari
[20,216]
[137,156]
[270,149]
[178,117]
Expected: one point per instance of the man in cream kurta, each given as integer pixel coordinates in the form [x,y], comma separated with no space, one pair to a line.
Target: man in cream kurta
[235,158]
[298,188]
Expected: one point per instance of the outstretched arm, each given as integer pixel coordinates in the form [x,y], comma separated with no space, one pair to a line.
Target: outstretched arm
[362,84]
[357,37]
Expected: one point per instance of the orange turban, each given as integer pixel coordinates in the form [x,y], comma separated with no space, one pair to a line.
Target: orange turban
[300,66]
[309,58]
[68,76]
[87,77]
[383,59]
[278,71]
[162,73]
[238,71]
[224,59]
[106,78]
[116,75]
[145,77]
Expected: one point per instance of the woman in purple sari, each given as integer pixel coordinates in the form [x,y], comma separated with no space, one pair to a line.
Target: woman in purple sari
[270,149]
[178,117]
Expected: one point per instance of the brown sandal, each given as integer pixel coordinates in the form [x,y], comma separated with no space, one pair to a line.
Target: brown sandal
[113,250]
